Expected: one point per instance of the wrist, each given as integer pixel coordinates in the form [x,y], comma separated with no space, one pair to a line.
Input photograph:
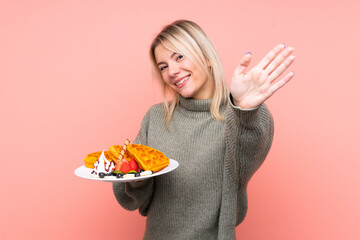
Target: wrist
[241,105]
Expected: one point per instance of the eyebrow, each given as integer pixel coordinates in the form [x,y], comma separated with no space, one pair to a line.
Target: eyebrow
[159,63]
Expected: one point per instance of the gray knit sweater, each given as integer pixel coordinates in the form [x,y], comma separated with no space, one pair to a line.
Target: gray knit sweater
[205,197]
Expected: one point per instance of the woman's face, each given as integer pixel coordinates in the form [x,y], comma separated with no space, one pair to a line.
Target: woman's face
[182,75]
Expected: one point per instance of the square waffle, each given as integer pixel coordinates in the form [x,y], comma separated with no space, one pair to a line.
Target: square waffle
[114,152]
[147,158]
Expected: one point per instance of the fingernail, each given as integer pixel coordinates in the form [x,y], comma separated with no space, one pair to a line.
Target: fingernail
[284,45]
[248,53]
[293,72]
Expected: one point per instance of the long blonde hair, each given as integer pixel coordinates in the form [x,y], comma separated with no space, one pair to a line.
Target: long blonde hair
[187,38]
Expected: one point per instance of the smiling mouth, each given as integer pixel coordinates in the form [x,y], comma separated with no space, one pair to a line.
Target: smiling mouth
[182,81]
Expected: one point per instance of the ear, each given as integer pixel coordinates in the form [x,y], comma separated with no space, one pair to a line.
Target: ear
[209,66]
[208,63]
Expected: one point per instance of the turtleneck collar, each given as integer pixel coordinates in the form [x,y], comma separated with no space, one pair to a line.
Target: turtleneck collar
[190,104]
[199,106]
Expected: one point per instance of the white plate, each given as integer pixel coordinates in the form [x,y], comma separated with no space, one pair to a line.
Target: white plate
[85,172]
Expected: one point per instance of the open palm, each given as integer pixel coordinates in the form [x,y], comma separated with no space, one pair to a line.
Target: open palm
[251,88]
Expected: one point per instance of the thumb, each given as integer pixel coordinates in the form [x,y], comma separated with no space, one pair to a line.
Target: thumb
[244,63]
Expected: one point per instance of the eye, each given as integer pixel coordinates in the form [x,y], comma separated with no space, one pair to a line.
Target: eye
[162,68]
[179,57]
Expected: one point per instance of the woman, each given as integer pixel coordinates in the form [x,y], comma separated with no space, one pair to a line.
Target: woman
[220,137]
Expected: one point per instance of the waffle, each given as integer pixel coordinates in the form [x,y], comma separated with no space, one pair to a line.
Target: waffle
[91,158]
[147,158]
[114,152]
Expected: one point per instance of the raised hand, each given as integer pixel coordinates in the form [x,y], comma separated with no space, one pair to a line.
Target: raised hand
[251,88]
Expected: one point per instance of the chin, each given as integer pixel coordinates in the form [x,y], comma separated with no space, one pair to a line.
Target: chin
[184,95]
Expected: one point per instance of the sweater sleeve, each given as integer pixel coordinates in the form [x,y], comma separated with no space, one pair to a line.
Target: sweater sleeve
[136,195]
[249,135]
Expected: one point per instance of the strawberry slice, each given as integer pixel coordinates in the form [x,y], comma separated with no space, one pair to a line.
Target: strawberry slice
[133,165]
[119,163]
[125,167]
[117,166]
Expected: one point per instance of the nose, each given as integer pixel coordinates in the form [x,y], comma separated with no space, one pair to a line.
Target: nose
[173,70]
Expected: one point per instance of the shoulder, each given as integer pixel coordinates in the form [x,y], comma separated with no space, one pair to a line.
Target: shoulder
[155,111]
[157,107]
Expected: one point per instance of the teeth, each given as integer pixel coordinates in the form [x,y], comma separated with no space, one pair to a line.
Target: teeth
[178,83]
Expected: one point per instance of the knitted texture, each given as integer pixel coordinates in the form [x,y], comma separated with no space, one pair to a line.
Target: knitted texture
[205,197]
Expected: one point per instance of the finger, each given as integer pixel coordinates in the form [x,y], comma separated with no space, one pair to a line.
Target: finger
[279,59]
[244,63]
[283,66]
[270,56]
[281,83]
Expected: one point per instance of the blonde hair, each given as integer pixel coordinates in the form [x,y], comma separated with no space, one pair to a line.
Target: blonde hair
[187,38]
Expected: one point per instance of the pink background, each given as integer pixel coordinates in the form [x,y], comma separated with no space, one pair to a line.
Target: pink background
[75,78]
